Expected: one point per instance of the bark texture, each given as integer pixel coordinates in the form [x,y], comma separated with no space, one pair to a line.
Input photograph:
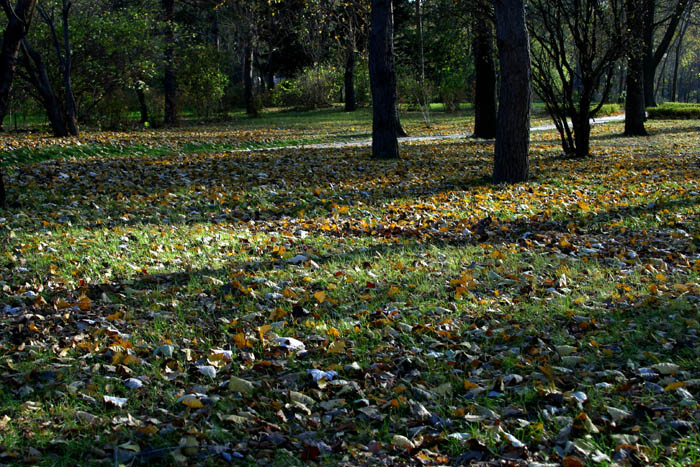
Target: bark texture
[511,163]
[250,107]
[635,112]
[39,78]
[169,78]
[382,75]
[350,100]
[19,20]
[485,102]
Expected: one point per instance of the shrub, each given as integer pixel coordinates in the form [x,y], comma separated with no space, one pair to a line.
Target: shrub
[453,88]
[314,87]
[675,110]
[201,80]
[606,110]
[410,90]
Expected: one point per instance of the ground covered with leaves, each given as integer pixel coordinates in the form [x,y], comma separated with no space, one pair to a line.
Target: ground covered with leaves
[295,305]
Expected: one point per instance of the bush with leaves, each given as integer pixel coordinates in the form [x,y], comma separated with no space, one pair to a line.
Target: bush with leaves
[313,88]
[453,87]
[202,82]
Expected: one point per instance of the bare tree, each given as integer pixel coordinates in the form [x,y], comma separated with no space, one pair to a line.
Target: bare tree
[63,54]
[577,46]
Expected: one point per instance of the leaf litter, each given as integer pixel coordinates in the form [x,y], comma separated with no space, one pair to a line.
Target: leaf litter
[182,308]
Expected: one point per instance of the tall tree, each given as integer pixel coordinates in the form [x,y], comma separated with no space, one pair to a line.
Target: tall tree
[19,20]
[653,56]
[38,76]
[169,76]
[349,75]
[485,102]
[63,54]
[511,163]
[382,76]
[635,112]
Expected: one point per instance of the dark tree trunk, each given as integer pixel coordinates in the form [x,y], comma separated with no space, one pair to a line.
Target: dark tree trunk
[646,19]
[169,78]
[270,79]
[143,105]
[383,82]
[39,78]
[635,112]
[350,102]
[676,65]
[71,121]
[582,133]
[250,106]
[511,162]
[485,103]
[652,57]
[19,20]
[3,195]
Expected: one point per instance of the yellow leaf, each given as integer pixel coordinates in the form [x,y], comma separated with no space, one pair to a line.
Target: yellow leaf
[277,313]
[676,385]
[114,316]
[288,293]
[84,303]
[147,430]
[469,385]
[393,290]
[192,402]
[61,303]
[661,277]
[336,347]
[320,296]
[262,330]
[240,340]
[131,360]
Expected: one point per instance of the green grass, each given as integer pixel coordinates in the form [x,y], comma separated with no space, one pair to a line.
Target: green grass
[674,110]
[188,245]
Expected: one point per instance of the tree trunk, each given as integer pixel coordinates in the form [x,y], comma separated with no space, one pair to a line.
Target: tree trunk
[653,57]
[676,65]
[39,78]
[582,133]
[511,162]
[383,82]
[71,120]
[646,20]
[250,107]
[485,102]
[635,112]
[3,195]
[169,78]
[19,20]
[424,101]
[143,105]
[350,102]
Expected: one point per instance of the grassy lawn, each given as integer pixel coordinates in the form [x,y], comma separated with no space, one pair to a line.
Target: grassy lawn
[166,300]
[273,128]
